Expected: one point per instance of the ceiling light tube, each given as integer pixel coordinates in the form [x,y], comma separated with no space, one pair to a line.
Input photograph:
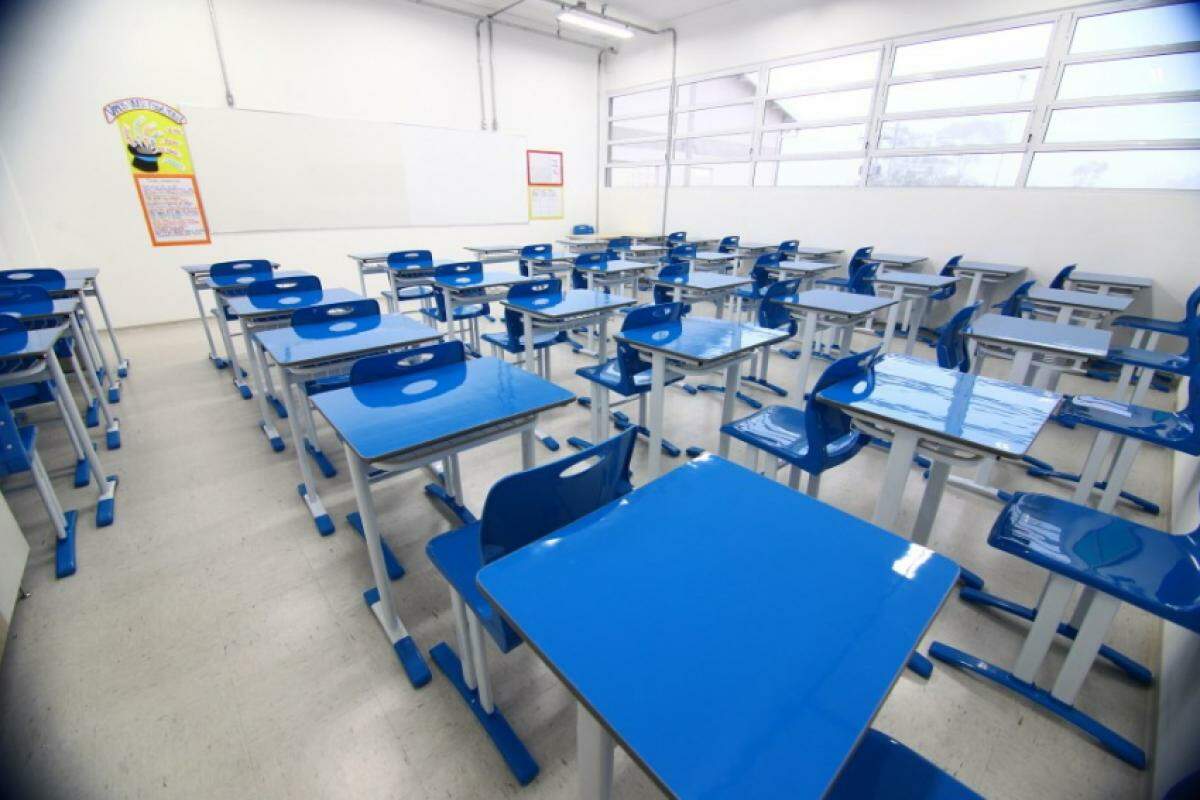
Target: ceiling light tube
[595,24]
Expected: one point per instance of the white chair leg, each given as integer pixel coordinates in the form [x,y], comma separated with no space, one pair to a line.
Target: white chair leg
[1055,597]
[1101,610]
[462,637]
[479,653]
[814,485]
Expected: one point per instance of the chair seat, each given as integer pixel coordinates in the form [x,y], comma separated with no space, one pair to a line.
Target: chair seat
[457,555]
[882,767]
[13,460]
[1164,428]
[411,292]
[1175,363]
[27,394]
[326,384]
[462,312]
[843,282]
[10,366]
[780,431]
[1172,327]
[1155,571]
[750,292]
[609,376]
[540,340]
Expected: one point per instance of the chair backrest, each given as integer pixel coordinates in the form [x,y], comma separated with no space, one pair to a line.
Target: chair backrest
[760,273]
[672,269]
[410,259]
[678,237]
[952,264]
[459,268]
[578,278]
[526,506]
[729,244]
[682,251]
[350,310]
[514,321]
[771,313]
[1011,307]
[531,251]
[582,230]
[860,255]
[824,423]
[1191,308]
[36,298]
[862,279]
[246,267]
[13,457]
[789,246]
[629,361]
[1060,280]
[406,362]
[620,243]
[299,283]
[49,279]
[951,345]
[13,336]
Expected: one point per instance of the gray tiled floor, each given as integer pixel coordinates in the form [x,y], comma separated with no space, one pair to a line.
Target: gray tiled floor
[212,645]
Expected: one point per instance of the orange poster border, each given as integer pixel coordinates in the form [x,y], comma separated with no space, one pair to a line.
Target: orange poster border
[529,167]
[146,214]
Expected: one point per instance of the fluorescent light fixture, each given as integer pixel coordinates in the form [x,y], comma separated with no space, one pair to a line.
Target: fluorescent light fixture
[595,24]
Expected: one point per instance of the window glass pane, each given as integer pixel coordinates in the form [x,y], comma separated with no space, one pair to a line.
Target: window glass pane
[977,50]
[638,128]
[642,151]
[1145,27]
[817,107]
[727,88]
[1179,72]
[623,177]
[714,148]
[1016,86]
[824,172]
[814,140]
[651,101]
[972,169]
[955,131]
[711,175]
[825,73]
[1118,169]
[714,119]
[1116,123]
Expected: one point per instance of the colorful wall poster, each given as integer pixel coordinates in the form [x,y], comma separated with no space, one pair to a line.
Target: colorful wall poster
[544,167]
[545,202]
[156,149]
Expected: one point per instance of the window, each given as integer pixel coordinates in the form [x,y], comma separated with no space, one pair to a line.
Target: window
[982,49]
[1143,122]
[963,131]
[817,172]
[1001,88]
[715,119]
[824,74]
[653,101]
[1179,72]
[1118,169]
[968,169]
[725,89]
[642,151]
[621,177]
[638,127]
[797,141]
[713,148]
[818,107]
[1146,27]
[712,175]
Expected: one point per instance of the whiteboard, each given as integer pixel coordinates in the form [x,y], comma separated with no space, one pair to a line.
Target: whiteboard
[266,171]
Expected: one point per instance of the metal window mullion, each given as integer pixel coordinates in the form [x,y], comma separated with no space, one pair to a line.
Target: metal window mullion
[1123,144]
[1125,100]
[958,111]
[1130,52]
[875,126]
[830,123]
[1047,89]
[952,150]
[969,72]
[841,87]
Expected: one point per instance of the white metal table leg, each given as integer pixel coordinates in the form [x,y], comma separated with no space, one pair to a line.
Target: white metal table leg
[658,368]
[100,356]
[462,637]
[1091,468]
[729,404]
[122,362]
[260,394]
[973,289]
[1018,373]
[1101,610]
[479,657]
[293,395]
[594,756]
[111,423]
[927,512]
[107,486]
[891,492]
[892,314]
[1121,465]
[1050,609]
[527,356]
[212,347]
[806,348]
[918,305]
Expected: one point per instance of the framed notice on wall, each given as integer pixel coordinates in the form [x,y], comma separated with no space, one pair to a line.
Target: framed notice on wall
[544,167]
[545,202]
[171,205]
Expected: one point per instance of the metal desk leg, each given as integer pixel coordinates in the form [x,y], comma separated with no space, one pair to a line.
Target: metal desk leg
[891,493]
[892,315]
[973,290]
[938,472]
[122,362]
[293,394]
[594,756]
[729,404]
[217,361]
[658,369]
[528,354]
[106,484]
[230,351]
[806,347]
[379,599]
[602,345]
[260,394]
[114,383]
[112,425]
[918,306]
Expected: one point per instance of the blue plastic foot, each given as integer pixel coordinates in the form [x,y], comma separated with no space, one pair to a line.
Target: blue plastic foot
[277,404]
[694,452]
[245,390]
[106,510]
[453,506]
[64,548]
[217,362]
[687,387]
[112,439]
[969,579]
[1041,469]
[1109,739]
[622,422]
[114,395]
[92,416]
[577,443]
[123,369]
[779,390]
[394,570]
[1135,671]
[276,441]
[406,650]
[745,398]
[792,354]
[320,459]
[550,442]
[920,665]
[324,522]
[83,473]
[514,753]
[586,402]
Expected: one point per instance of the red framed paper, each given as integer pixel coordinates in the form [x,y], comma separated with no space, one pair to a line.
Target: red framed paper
[544,167]
[172,209]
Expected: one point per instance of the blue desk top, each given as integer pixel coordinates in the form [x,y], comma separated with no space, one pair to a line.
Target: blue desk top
[1105,279]
[742,665]
[1041,335]
[493,248]
[615,266]
[40,342]
[1077,299]
[82,274]
[59,307]
[395,416]
[701,340]
[802,267]
[644,248]
[705,281]
[914,280]
[486,280]
[242,281]
[572,303]
[895,258]
[995,416]
[714,256]
[269,304]
[847,304]
[295,346]
[989,268]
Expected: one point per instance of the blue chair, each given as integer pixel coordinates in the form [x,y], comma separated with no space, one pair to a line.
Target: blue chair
[951,344]
[673,268]
[579,278]
[729,244]
[519,509]
[512,338]
[467,316]
[583,230]
[811,440]
[1015,305]
[762,277]
[1064,274]
[947,272]
[620,243]
[788,248]
[400,261]
[1191,313]
[861,255]
[677,252]
[772,314]
[532,252]
[1115,561]
[882,767]
[49,279]
[628,374]
[243,271]
[299,284]
[18,454]
[678,237]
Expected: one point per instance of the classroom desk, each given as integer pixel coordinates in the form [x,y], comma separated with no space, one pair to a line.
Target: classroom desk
[638,238]
[1065,305]
[509,250]
[640,609]
[1045,346]
[983,273]
[842,311]
[649,252]
[197,273]
[897,260]
[1105,283]
[37,362]
[551,264]
[404,423]
[474,289]
[619,272]
[807,271]
[709,261]
[913,289]
[950,416]
[273,311]
[82,284]
[694,346]
[322,350]
[703,286]
[583,244]
[566,311]
[376,263]
[815,252]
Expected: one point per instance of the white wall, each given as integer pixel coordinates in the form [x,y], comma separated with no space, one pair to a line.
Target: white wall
[62,60]
[1153,233]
